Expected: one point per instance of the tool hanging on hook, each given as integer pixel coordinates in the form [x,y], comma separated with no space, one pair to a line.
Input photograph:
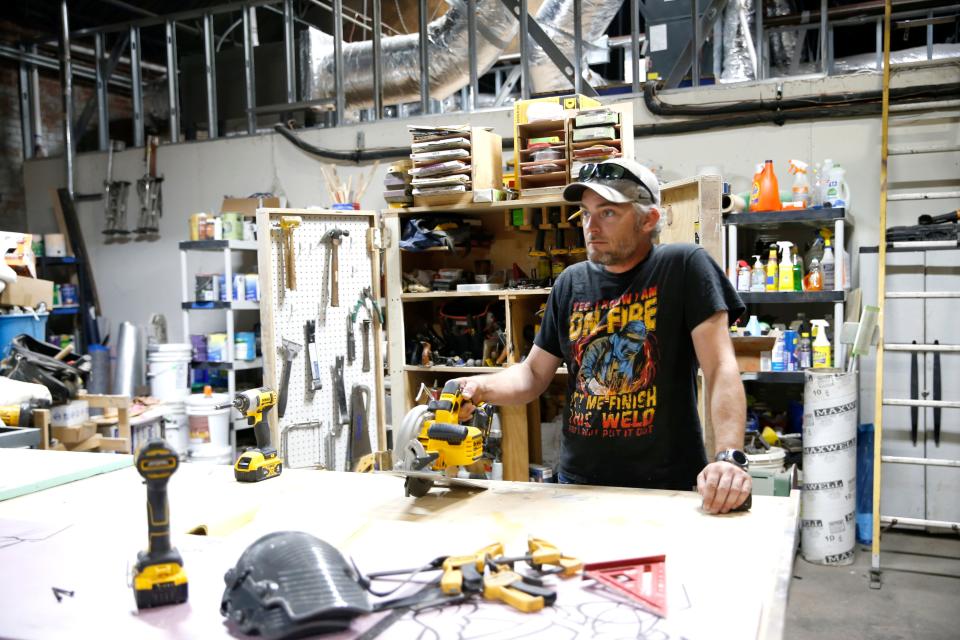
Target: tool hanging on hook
[115,197]
[148,188]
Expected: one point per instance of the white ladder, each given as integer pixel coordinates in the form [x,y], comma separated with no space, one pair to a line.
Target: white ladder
[881,401]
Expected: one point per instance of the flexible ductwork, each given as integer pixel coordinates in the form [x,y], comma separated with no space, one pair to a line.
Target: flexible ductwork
[400,64]
[449,66]
[739,54]
[556,19]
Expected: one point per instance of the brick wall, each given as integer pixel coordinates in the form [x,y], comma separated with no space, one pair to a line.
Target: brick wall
[13,216]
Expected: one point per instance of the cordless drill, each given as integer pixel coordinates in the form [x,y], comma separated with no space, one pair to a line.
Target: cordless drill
[260,463]
[158,578]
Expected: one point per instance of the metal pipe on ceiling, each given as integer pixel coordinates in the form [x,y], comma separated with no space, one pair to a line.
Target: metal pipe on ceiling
[66,83]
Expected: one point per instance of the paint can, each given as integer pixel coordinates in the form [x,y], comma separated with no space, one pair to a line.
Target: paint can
[176,425]
[209,428]
[232,225]
[54,245]
[168,369]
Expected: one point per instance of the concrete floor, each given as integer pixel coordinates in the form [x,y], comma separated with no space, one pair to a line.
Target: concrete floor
[919,597]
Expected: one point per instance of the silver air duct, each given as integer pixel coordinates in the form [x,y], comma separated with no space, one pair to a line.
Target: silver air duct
[449,70]
[556,19]
[400,66]
[739,54]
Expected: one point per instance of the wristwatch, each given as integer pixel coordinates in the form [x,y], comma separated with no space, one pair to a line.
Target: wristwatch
[734,456]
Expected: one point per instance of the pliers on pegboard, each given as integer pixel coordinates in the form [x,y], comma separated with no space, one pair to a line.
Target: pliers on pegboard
[368,302]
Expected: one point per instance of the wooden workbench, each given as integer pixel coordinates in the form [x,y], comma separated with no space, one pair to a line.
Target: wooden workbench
[731,572]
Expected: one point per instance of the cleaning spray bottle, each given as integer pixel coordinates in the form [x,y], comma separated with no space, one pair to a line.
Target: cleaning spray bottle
[758,279]
[827,263]
[801,187]
[769,198]
[785,281]
[816,193]
[771,282]
[821,345]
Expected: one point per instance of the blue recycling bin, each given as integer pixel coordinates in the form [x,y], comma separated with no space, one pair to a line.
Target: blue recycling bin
[13,325]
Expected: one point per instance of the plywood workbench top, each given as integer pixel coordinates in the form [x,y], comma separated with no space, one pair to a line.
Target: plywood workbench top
[85,535]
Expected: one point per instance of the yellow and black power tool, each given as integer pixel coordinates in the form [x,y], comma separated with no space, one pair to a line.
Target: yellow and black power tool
[431,439]
[260,463]
[158,578]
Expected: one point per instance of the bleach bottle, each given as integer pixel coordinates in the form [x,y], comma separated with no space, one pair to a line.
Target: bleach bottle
[821,345]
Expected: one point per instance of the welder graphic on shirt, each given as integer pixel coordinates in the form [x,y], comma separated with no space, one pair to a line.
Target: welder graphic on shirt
[622,362]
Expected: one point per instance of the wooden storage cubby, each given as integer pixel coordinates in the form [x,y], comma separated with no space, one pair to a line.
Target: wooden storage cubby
[486,170]
[625,124]
[539,184]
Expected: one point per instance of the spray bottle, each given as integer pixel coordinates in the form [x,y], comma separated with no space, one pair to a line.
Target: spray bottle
[785,281]
[825,179]
[758,279]
[827,263]
[821,345]
[771,282]
[816,194]
[801,187]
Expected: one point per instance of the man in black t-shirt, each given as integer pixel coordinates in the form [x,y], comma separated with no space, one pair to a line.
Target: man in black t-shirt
[632,323]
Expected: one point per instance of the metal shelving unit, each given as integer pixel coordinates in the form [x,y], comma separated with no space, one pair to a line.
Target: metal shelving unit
[842,222]
[229,307]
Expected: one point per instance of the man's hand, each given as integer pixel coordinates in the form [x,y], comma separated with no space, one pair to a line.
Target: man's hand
[723,486]
[471,390]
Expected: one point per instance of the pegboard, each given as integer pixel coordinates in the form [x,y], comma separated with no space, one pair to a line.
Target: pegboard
[284,313]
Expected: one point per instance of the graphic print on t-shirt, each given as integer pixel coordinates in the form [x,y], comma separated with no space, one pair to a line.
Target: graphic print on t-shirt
[614,345]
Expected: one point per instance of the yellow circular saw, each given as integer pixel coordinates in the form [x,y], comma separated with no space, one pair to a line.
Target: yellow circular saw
[431,439]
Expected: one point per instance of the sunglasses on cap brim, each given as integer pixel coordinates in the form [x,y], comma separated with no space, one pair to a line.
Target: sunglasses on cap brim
[610,171]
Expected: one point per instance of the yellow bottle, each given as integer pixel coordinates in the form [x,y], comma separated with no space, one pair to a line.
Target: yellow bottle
[821,345]
[772,269]
[785,280]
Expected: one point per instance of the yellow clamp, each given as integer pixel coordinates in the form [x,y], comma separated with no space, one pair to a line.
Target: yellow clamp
[542,552]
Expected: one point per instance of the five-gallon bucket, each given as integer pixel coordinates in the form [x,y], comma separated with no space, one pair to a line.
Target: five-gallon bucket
[176,425]
[168,369]
[209,428]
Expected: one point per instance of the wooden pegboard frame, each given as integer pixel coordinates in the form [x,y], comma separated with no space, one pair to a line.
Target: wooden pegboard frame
[284,312]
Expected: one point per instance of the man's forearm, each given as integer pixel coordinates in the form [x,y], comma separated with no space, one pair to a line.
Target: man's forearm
[514,385]
[728,413]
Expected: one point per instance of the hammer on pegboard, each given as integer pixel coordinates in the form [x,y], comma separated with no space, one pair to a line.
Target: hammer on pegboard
[287,225]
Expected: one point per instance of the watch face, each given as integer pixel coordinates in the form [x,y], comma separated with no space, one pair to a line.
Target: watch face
[739,457]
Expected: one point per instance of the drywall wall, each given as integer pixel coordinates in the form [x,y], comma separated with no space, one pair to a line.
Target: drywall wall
[136,279]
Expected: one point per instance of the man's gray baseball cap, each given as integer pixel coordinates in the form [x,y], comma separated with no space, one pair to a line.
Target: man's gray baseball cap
[618,180]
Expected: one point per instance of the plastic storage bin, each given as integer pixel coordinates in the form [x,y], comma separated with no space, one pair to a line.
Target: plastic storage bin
[13,325]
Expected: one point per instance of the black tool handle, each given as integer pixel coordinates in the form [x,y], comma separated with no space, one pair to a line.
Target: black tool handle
[914,395]
[158,516]
[937,395]
[261,430]
[284,387]
[365,328]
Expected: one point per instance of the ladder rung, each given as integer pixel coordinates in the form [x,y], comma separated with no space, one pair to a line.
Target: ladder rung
[900,109]
[909,151]
[923,348]
[923,195]
[935,404]
[920,522]
[929,462]
[922,294]
[920,245]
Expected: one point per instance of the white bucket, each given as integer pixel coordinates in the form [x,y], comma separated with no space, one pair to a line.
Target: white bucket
[168,369]
[829,499]
[176,426]
[770,461]
[209,428]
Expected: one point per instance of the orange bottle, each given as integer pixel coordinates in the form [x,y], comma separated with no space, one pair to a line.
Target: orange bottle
[769,189]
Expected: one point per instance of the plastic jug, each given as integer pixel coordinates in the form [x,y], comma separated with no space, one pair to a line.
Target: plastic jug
[769,199]
[838,192]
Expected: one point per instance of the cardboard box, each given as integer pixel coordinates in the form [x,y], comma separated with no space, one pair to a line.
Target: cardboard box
[28,292]
[70,414]
[249,206]
[748,350]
